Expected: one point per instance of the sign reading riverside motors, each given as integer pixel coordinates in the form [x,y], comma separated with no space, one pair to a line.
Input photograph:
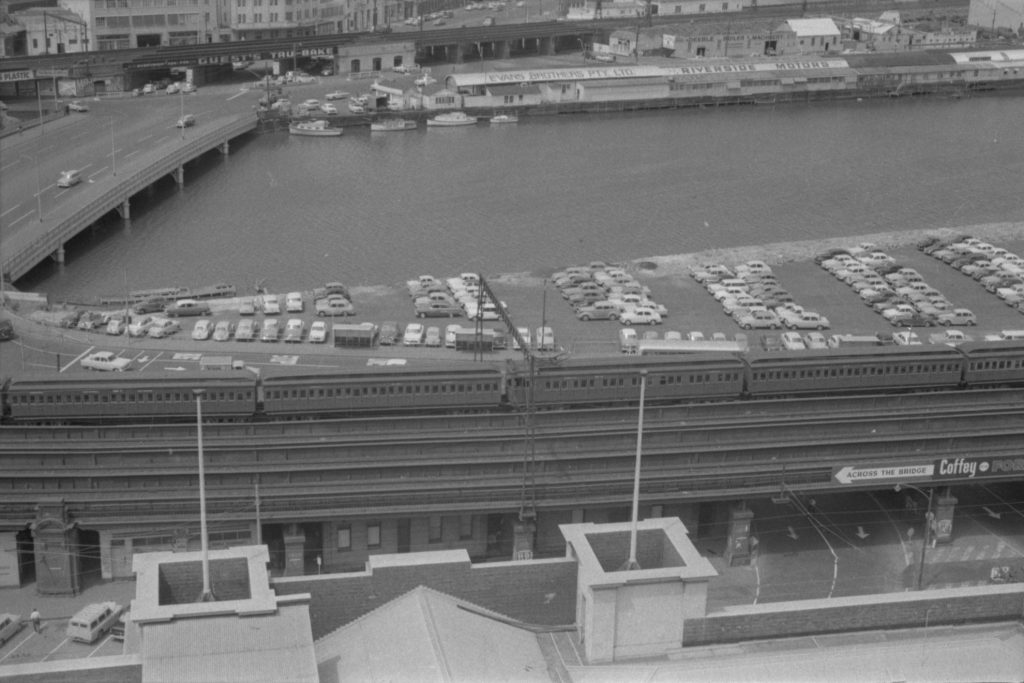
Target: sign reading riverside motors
[947,468]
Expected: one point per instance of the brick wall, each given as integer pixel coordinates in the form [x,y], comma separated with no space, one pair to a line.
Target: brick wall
[891,611]
[537,592]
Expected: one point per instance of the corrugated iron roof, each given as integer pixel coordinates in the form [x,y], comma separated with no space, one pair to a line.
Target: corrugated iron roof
[820,26]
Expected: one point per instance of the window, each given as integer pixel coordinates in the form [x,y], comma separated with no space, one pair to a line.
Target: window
[373,535]
[434,535]
[344,537]
[465,527]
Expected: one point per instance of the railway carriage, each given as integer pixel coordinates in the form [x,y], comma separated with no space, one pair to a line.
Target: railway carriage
[699,376]
[831,371]
[128,396]
[381,389]
[993,363]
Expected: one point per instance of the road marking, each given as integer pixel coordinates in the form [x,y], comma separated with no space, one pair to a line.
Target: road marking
[9,210]
[143,139]
[239,94]
[861,534]
[22,218]
[4,168]
[80,356]
[134,151]
[100,646]
[152,361]
[101,170]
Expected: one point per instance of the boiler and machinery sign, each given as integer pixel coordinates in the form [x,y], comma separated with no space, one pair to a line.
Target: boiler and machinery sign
[946,468]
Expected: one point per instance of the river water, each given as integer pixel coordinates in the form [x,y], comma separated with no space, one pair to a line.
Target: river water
[381,208]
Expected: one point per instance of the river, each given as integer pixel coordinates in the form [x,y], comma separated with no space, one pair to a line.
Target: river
[380,208]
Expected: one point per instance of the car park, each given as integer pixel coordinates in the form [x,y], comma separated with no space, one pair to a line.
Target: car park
[759,319]
[334,304]
[163,327]
[328,108]
[388,333]
[69,178]
[318,332]
[107,361]
[807,320]
[247,330]
[77,106]
[116,325]
[202,330]
[413,335]
[271,330]
[222,330]
[294,330]
[247,306]
[336,95]
[187,307]
[186,121]
[293,302]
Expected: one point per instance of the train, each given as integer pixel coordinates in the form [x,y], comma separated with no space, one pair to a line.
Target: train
[282,393]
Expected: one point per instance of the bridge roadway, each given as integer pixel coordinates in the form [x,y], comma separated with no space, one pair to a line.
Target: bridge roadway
[302,473]
[28,244]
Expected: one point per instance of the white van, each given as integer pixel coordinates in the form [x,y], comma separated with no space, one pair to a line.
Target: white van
[69,178]
[1011,335]
[628,341]
[93,621]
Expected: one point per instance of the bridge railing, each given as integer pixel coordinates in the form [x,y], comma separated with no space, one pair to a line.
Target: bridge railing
[77,217]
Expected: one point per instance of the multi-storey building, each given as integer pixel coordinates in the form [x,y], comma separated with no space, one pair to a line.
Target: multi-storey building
[47,30]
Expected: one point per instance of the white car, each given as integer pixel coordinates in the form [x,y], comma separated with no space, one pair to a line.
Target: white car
[293,331]
[815,340]
[792,341]
[163,327]
[293,302]
[139,325]
[640,316]
[203,329]
[449,335]
[328,108]
[105,360]
[413,335]
[808,320]
[760,320]
[425,79]
[907,338]
[270,305]
[318,332]
[336,95]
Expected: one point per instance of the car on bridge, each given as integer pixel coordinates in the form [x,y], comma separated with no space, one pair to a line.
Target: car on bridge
[69,178]
[75,105]
[186,121]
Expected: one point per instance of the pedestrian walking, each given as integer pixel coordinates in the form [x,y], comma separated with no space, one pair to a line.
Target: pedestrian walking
[36,619]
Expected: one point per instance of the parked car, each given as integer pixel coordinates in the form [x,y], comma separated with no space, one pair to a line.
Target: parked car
[759,319]
[105,360]
[792,341]
[10,624]
[222,330]
[188,87]
[640,316]
[270,331]
[906,338]
[270,305]
[152,305]
[807,320]
[202,329]
[293,302]
[163,327]
[294,330]
[331,288]
[173,89]
[413,335]
[336,95]
[958,316]
[247,306]
[75,105]
[247,330]
[187,307]
[599,310]
[426,308]
[335,304]
[388,333]
[450,333]
[318,332]
[815,340]
[328,108]
[139,325]
[433,337]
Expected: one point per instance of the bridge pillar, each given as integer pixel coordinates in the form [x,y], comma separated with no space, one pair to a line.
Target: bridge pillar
[224,148]
[547,46]
[58,255]
[179,176]
[294,550]
[502,49]
[460,53]
[124,210]
[738,550]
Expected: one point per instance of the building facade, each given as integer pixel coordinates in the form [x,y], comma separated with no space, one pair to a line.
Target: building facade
[49,31]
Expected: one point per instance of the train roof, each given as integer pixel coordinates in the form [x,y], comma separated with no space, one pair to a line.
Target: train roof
[978,349]
[383,368]
[132,380]
[928,352]
[634,363]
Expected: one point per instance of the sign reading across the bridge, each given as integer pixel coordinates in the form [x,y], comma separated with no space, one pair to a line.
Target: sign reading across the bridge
[856,475]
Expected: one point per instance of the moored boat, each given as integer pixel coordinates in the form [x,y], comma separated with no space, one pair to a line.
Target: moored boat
[504,118]
[387,125]
[452,118]
[318,128]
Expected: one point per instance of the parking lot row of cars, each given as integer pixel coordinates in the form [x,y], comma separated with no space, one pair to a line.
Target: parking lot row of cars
[998,270]
[453,298]
[601,291]
[898,293]
[752,296]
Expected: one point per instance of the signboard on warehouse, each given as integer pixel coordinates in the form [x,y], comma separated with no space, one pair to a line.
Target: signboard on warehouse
[11,76]
[971,468]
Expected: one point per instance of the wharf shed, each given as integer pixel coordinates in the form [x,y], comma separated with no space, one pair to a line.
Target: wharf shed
[732,39]
[814,35]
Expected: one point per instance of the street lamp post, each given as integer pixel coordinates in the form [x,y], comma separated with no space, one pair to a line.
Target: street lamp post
[207,594]
[181,121]
[928,517]
[632,563]
[113,152]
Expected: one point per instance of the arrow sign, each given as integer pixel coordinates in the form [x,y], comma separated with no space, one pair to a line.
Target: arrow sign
[993,515]
[861,534]
[853,475]
[177,369]
[792,533]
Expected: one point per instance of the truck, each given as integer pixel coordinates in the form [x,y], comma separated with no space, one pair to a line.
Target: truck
[355,335]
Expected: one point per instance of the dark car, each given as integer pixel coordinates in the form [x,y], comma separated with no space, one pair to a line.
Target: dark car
[329,289]
[6,330]
[187,307]
[912,321]
[388,334]
[151,306]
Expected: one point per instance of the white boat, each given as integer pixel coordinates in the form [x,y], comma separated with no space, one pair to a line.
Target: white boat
[318,128]
[505,118]
[452,118]
[387,125]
